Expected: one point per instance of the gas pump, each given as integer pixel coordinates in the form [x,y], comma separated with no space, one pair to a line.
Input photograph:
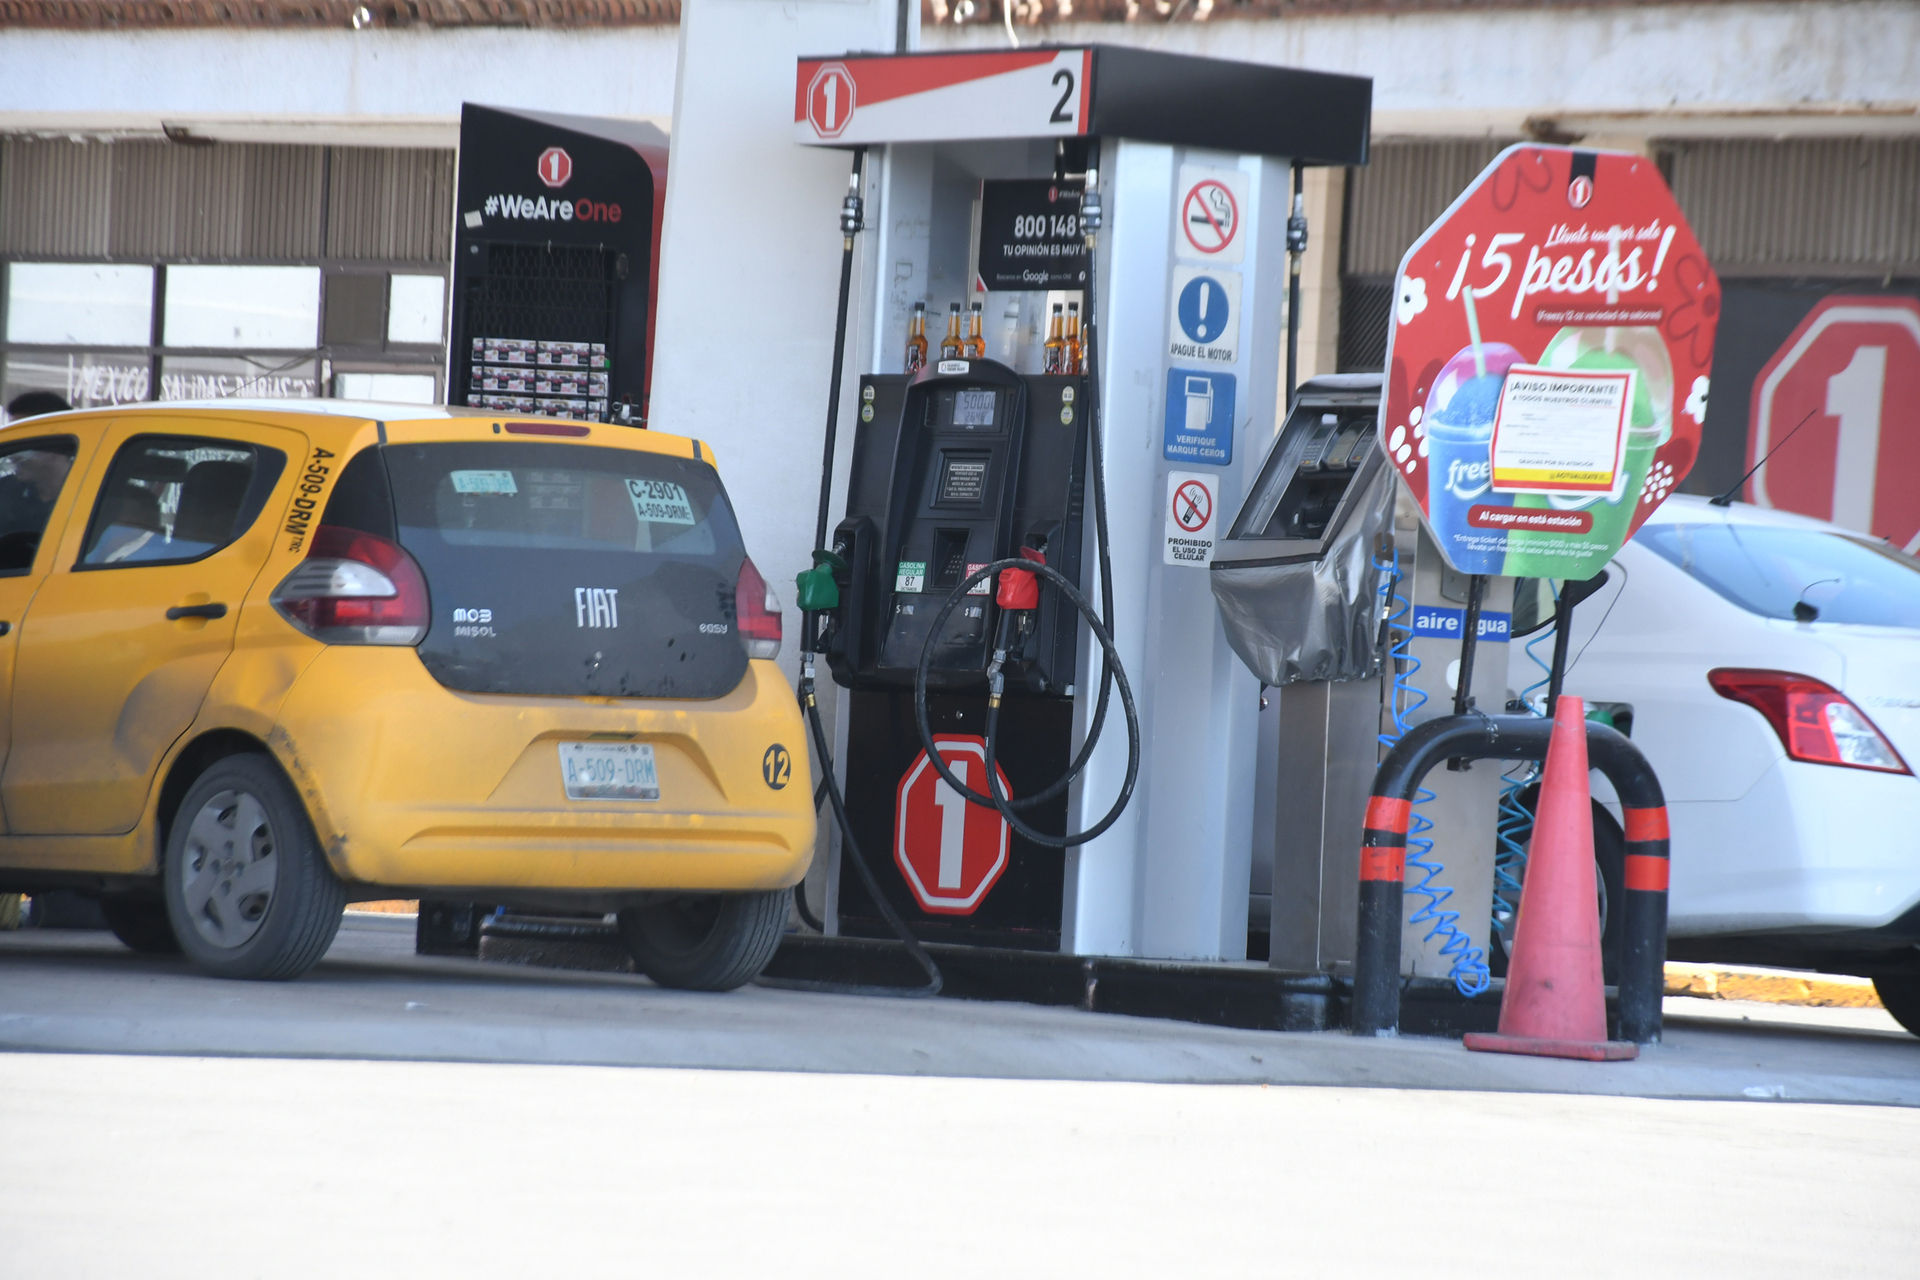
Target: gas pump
[979,656]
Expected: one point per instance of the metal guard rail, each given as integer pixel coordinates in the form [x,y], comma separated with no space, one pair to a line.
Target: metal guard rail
[1383,855]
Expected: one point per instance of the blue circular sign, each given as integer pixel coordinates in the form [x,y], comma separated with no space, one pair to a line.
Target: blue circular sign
[1203,309]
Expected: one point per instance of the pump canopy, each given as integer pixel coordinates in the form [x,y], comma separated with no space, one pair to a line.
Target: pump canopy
[1070,91]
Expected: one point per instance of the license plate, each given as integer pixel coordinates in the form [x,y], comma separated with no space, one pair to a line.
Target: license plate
[609,771]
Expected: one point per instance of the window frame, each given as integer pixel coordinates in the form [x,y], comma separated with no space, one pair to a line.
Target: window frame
[268,466]
[320,360]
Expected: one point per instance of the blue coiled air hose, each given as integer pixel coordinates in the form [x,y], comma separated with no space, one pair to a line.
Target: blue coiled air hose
[1469,973]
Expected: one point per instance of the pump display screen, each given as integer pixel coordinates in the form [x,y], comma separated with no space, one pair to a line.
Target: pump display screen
[963,479]
[973,408]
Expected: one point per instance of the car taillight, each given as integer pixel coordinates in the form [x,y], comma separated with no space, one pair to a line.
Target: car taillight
[757,611]
[1816,722]
[355,588]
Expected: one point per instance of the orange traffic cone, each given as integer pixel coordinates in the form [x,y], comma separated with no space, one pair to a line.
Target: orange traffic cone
[1554,1005]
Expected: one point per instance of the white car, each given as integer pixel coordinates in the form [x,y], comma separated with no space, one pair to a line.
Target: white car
[1770,664]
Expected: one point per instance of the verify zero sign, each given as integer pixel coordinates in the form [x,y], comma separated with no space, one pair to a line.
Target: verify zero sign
[1205,324]
[1193,502]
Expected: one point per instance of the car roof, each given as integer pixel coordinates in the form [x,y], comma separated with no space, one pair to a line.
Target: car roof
[347,413]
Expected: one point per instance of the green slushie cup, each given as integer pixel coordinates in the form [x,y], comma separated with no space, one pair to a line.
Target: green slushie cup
[1541,554]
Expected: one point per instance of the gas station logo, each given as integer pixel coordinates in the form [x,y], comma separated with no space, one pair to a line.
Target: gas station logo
[950,851]
[555,166]
[830,99]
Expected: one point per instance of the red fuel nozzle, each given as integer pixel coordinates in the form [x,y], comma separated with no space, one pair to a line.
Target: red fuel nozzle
[1019,588]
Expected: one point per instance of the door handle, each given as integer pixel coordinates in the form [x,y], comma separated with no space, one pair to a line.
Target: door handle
[180,611]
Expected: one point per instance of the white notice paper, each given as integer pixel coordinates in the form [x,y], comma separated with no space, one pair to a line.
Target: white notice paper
[1560,430]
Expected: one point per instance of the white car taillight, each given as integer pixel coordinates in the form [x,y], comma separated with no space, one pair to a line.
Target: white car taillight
[355,588]
[1815,721]
[757,612]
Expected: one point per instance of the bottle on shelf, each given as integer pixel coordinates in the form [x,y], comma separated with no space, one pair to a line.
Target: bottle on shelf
[1072,358]
[976,335]
[1056,347]
[954,345]
[917,339]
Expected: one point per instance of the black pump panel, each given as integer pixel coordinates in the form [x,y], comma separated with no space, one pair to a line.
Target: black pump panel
[957,466]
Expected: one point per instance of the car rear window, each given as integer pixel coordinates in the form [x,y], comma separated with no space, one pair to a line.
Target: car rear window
[569,569]
[1767,570]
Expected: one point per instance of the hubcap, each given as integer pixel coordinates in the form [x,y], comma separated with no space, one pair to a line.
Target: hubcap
[228,869]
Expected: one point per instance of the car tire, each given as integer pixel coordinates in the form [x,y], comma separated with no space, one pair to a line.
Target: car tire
[248,890]
[1900,993]
[706,941]
[142,924]
[1610,865]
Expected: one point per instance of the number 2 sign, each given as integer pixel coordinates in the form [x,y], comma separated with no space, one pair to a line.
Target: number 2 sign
[1025,93]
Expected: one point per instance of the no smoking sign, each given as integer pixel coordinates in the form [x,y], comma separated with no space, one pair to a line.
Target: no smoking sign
[1213,207]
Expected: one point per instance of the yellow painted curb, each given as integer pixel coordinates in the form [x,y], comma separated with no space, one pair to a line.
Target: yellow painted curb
[1770,986]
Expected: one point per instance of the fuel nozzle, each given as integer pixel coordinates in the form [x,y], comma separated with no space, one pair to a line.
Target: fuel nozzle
[817,591]
[1018,595]
[1019,589]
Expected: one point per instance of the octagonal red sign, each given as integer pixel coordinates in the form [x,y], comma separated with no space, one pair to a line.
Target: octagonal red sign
[1840,403]
[555,166]
[950,850]
[830,100]
[1548,361]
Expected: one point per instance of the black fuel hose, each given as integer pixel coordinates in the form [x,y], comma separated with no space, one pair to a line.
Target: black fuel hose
[851,222]
[993,798]
[851,848]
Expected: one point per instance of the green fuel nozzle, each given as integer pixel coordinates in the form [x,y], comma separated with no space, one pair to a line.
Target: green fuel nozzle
[817,589]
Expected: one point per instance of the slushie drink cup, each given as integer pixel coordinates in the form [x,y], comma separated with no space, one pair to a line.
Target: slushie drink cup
[1459,433]
[1530,554]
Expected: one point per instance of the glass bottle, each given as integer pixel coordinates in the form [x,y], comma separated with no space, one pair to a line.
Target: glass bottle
[954,345]
[976,334]
[1072,362]
[1056,347]
[917,339]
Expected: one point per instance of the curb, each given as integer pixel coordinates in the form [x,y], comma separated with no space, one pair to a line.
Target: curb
[1770,986]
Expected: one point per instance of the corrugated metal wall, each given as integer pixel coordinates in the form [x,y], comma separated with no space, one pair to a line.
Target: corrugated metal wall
[1403,188]
[229,201]
[1823,207]
[391,204]
[56,198]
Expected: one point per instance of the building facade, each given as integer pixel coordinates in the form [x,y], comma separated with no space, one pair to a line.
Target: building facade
[206,199]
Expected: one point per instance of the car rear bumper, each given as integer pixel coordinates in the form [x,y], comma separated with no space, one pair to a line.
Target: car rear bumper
[410,783]
[1810,848]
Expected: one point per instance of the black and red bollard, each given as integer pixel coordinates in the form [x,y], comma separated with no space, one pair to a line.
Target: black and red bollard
[1376,967]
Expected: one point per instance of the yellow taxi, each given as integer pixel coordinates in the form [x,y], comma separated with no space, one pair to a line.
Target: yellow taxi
[260,660]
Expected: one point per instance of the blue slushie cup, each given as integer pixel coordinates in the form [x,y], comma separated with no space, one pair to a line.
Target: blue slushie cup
[1459,432]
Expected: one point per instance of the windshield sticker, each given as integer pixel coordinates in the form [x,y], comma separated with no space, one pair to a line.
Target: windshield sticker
[484,482]
[660,501]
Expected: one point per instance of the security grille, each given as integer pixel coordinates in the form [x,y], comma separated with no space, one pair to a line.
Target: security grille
[549,293]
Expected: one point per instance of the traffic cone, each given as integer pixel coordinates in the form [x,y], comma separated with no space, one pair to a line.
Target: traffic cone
[1554,1005]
